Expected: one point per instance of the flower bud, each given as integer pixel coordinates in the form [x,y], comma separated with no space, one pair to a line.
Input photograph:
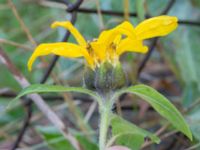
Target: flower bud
[118,77]
[89,76]
[105,78]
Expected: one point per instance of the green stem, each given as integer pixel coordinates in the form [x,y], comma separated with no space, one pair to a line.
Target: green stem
[104,124]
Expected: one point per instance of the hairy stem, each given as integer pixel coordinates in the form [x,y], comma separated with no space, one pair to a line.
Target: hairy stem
[104,124]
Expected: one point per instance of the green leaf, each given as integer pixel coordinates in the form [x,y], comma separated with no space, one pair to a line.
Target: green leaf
[86,144]
[43,88]
[162,105]
[131,140]
[14,114]
[128,134]
[54,139]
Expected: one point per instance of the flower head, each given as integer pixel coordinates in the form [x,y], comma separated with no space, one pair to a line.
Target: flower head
[110,43]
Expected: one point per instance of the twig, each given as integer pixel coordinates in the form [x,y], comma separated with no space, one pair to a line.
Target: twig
[73,108]
[196,103]
[56,108]
[166,135]
[37,99]
[162,138]
[22,24]
[52,4]
[162,129]
[126,9]
[158,132]
[4,41]
[101,22]
[193,147]
[90,111]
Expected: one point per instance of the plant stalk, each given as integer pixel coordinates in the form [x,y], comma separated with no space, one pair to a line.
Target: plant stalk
[104,124]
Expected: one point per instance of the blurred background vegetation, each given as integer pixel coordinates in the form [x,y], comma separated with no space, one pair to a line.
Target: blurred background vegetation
[173,69]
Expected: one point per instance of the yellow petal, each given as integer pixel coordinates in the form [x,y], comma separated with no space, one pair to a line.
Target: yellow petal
[99,50]
[156,26]
[117,39]
[62,49]
[103,43]
[125,28]
[104,36]
[103,46]
[131,46]
[67,24]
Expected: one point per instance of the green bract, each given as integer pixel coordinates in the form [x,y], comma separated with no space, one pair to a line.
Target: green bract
[105,78]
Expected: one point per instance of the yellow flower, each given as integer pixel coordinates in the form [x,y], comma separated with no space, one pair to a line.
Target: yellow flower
[110,44]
